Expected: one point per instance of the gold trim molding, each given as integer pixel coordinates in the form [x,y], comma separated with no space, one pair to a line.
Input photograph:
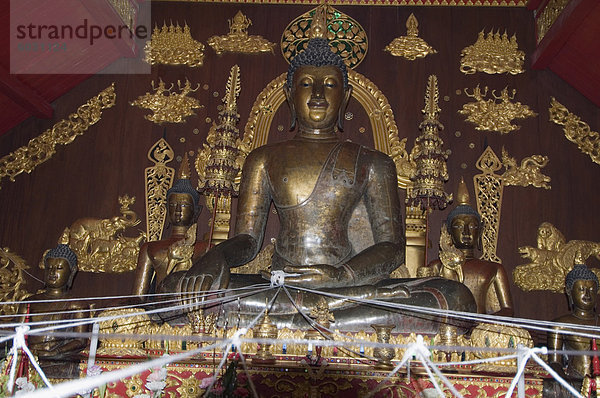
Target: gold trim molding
[376,105]
[42,147]
[549,14]
[576,130]
[426,3]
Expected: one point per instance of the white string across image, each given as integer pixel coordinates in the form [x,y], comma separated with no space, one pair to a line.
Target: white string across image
[418,350]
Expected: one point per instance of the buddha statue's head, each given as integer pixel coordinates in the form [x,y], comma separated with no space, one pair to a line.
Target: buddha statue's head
[60,264]
[317,87]
[183,199]
[463,222]
[581,286]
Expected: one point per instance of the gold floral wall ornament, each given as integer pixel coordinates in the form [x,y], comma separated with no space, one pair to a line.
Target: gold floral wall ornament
[42,147]
[99,245]
[552,259]
[159,178]
[576,130]
[174,45]
[410,46]
[168,106]
[217,162]
[12,280]
[492,54]
[489,187]
[496,113]
[238,40]
[346,37]
[430,157]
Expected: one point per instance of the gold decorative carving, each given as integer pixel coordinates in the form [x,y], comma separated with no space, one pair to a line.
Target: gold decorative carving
[238,40]
[180,253]
[168,106]
[552,260]
[98,245]
[217,162]
[42,147]
[451,258]
[431,173]
[127,11]
[381,116]
[452,3]
[129,321]
[576,130]
[159,178]
[174,45]
[497,113]
[410,46]
[12,280]
[546,18]
[346,37]
[497,336]
[489,187]
[527,173]
[491,54]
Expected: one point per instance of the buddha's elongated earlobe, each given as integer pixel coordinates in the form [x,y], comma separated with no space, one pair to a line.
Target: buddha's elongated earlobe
[342,112]
[288,97]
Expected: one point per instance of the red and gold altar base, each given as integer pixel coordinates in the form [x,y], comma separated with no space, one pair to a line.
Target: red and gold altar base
[299,376]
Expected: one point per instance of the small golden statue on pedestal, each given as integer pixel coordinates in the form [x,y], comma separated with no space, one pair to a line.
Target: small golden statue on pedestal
[265,330]
[384,354]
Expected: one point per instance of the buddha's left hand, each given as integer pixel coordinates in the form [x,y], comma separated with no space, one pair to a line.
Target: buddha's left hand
[317,275]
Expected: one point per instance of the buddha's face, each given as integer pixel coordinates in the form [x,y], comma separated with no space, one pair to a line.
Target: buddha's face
[57,273]
[464,230]
[583,294]
[318,93]
[181,209]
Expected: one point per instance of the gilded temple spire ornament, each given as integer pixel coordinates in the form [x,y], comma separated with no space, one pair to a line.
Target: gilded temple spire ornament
[431,172]
[576,130]
[217,162]
[410,46]
[174,45]
[489,188]
[493,53]
[166,105]
[496,113]
[345,35]
[238,40]
[159,178]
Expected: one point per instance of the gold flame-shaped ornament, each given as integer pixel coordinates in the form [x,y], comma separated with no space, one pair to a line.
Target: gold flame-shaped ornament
[492,54]
[410,46]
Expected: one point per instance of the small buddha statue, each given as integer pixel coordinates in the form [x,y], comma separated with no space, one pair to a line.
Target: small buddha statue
[487,280]
[159,258]
[57,355]
[315,181]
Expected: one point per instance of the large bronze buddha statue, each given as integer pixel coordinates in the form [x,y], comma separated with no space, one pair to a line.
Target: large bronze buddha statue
[57,355]
[316,180]
[487,280]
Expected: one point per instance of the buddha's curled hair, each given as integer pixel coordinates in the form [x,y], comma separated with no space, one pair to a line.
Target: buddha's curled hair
[317,53]
[579,272]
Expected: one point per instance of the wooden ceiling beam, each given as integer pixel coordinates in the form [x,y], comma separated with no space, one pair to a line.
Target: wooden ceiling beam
[23,95]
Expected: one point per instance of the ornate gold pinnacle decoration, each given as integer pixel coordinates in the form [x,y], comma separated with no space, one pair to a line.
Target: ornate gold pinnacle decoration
[491,54]
[238,40]
[168,106]
[217,164]
[265,330]
[12,280]
[497,113]
[346,37]
[451,258]
[159,178]
[99,245]
[552,260]
[174,45]
[428,188]
[489,187]
[42,147]
[576,130]
[410,46]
